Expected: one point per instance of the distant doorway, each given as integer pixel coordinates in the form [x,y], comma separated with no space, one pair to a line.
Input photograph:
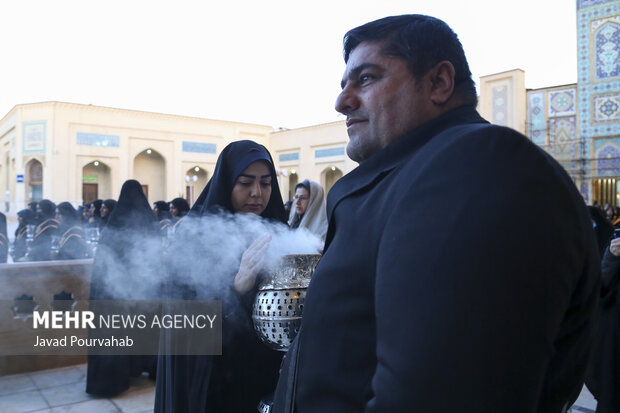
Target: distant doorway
[35,180]
[90,192]
[96,181]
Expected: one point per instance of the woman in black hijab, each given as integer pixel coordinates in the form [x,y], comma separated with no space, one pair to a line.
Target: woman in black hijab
[25,217]
[95,213]
[244,181]
[4,239]
[106,209]
[125,267]
[178,208]
[46,229]
[71,245]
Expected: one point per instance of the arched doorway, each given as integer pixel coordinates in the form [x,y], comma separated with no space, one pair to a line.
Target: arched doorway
[96,182]
[149,168]
[293,180]
[34,171]
[329,176]
[195,181]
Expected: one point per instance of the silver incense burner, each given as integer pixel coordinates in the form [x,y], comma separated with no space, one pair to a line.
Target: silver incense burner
[280,300]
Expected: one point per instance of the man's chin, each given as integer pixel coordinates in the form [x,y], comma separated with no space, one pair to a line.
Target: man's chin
[355,152]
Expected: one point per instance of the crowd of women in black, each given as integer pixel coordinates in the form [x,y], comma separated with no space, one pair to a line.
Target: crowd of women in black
[47,231]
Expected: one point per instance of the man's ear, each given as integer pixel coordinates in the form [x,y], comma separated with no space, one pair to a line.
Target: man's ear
[442,82]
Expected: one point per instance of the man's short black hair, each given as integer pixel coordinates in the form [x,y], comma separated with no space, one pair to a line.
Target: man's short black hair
[422,41]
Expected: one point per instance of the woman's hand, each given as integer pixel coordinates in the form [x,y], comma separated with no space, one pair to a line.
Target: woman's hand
[251,263]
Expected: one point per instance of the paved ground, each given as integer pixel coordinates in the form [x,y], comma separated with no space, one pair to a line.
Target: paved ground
[62,391]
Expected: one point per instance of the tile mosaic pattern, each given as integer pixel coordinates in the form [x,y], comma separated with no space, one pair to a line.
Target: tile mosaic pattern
[605,107]
[563,143]
[536,117]
[598,105]
[500,105]
[608,162]
[96,139]
[562,102]
[607,46]
[589,3]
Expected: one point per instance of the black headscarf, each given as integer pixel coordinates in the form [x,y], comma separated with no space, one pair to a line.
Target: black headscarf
[69,215]
[110,204]
[28,217]
[132,209]
[97,203]
[48,209]
[233,160]
[181,205]
[162,206]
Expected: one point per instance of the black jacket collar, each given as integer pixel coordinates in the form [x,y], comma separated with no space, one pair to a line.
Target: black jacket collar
[392,155]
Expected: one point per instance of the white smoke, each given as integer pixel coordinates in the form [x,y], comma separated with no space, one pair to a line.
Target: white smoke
[204,255]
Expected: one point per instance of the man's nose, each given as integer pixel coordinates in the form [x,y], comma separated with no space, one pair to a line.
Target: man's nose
[347,101]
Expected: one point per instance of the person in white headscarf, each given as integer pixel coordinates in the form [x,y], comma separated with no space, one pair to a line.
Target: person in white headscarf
[309,208]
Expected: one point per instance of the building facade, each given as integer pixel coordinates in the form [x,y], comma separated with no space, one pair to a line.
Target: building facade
[71,152]
[579,124]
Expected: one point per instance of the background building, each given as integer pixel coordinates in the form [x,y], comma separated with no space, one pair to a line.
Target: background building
[579,124]
[63,151]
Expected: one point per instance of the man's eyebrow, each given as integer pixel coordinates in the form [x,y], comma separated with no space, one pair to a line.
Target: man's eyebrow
[355,72]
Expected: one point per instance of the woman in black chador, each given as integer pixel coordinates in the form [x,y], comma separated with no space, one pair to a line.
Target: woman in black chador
[244,182]
[25,217]
[71,245]
[45,230]
[125,268]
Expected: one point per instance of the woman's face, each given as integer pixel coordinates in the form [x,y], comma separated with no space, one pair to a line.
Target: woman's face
[173,210]
[104,210]
[302,199]
[252,189]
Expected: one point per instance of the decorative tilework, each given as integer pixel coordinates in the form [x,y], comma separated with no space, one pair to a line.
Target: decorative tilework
[285,157]
[33,137]
[199,147]
[595,121]
[607,44]
[500,105]
[323,153]
[562,102]
[599,143]
[605,107]
[608,160]
[589,3]
[536,114]
[95,139]
[562,137]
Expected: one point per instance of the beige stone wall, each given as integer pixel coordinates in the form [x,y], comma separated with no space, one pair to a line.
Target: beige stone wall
[503,99]
[65,161]
[310,153]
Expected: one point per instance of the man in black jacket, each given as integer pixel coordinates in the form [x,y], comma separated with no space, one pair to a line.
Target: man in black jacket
[460,270]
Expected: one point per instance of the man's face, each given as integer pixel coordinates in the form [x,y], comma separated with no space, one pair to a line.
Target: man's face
[381,100]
